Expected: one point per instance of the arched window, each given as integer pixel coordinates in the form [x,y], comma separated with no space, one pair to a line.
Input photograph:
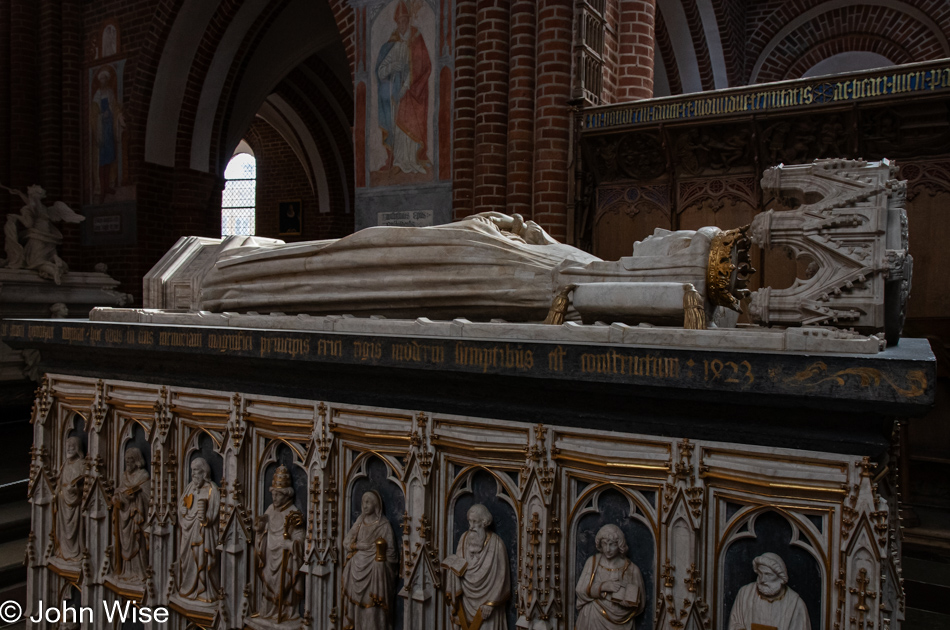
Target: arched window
[237,202]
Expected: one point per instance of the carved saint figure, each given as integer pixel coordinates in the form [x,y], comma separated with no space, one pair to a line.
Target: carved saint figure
[129,508]
[68,519]
[279,546]
[42,237]
[198,512]
[403,71]
[477,582]
[610,589]
[768,603]
[370,569]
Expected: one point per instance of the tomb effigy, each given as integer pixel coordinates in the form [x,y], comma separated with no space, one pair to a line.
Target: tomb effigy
[639,461]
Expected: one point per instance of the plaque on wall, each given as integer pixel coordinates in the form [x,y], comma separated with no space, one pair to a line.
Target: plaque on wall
[109,224]
[289,218]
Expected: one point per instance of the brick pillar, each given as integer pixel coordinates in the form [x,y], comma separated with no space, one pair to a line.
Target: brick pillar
[521,106]
[553,118]
[50,98]
[71,94]
[5,90]
[635,72]
[24,114]
[491,105]
[463,152]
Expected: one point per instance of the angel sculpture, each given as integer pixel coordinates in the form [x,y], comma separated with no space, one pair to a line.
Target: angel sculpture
[41,236]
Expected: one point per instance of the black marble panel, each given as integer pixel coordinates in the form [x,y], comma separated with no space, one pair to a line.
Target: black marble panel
[394,506]
[615,509]
[773,534]
[485,490]
[849,418]
[298,478]
[903,376]
[206,451]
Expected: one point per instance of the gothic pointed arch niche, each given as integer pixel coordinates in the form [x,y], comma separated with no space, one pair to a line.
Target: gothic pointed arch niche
[632,511]
[496,491]
[222,69]
[796,538]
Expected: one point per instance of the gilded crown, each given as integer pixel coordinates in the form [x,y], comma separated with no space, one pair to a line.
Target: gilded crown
[281,478]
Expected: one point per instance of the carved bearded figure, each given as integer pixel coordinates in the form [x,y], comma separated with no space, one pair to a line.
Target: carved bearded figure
[129,508]
[370,569]
[68,520]
[279,546]
[477,581]
[198,512]
[768,603]
[610,589]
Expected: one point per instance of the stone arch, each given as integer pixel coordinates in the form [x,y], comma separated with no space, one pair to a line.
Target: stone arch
[892,52]
[183,94]
[280,452]
[787,33]
[495,490]
[804,554]
[616,504]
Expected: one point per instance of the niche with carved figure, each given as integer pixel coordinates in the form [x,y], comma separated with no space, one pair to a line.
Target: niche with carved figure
[600,511]
[372,544]
[481,508]
[772,564]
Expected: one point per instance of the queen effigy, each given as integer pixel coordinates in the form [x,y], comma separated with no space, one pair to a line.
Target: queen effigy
[496,266]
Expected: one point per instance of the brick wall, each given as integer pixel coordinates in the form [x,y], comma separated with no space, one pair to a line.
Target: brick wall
[281,177]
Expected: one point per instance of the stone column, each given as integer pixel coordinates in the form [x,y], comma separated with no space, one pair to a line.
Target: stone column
[635,71]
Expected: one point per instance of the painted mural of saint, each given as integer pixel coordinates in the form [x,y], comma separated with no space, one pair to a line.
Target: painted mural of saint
[403,71]
[107,123]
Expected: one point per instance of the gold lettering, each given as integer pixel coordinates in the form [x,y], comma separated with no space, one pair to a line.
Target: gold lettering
[368,350]
[415,352]
[73,334]
[176,339]
[240,342]
[36,331]
[290,346]
[330,347]
[113,336]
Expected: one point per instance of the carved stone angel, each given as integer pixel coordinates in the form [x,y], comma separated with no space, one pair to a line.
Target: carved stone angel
[40,235]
